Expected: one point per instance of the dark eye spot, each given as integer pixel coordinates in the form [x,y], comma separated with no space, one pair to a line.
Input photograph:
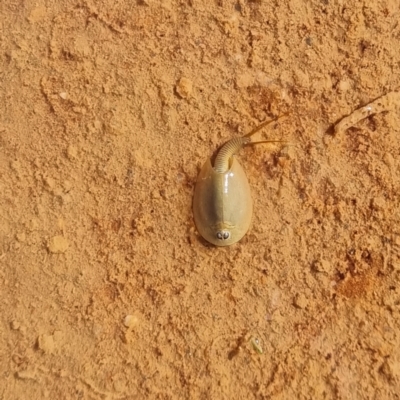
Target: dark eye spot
[223,235]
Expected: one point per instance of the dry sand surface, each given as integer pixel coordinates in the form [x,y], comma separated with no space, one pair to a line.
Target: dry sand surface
[108,110]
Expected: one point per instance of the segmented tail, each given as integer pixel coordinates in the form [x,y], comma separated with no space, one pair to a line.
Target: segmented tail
[221,164]
[231,147]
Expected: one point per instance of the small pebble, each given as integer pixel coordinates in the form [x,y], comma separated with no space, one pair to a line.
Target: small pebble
[322,266]
[378,203]
[46,343]
[130,321]
[21,237]
[15,325]
[58,244]
[300,301]
[344,85]
[388,159]
[155,194]
[50,182]
[26,375]
[72,152]
[184,88]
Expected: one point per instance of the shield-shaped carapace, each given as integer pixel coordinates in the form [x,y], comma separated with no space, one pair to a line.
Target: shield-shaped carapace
[222,203]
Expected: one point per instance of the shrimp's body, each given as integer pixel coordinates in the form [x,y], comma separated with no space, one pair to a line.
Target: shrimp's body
[222,203]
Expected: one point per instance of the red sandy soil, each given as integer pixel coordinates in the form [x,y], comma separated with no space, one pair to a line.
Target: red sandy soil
[109,109]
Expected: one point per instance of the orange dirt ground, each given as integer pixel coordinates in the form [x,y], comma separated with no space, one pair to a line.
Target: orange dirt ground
[109,109]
